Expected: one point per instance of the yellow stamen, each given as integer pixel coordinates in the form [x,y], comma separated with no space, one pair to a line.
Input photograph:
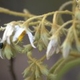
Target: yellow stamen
[21,36]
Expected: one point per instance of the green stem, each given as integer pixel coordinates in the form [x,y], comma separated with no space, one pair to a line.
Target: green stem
[55,65]
[65,4]
[12,69]
[43,58]
[7,11]
[67,67]
[47,14]
[60,65]
[60,21]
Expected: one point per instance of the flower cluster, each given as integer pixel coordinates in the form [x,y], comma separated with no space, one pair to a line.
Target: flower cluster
[12,35]
[56,36]
[44,38]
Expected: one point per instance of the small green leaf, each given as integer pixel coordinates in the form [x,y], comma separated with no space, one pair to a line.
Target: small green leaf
[28,78]
[27,71]
[44,70]
[17,48]
[40,45]
[52,76]
[37,72]
[7,52]
[31,77]
[27,48]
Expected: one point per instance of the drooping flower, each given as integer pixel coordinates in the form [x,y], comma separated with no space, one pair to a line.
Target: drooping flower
[53,46]
[13,33]
[20,33]
[66,47]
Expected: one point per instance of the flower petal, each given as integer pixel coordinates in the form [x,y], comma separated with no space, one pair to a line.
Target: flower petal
[18,32]
[66,47]
[51,49]
[1,53]
[8,40]
[7,33]
[31,38]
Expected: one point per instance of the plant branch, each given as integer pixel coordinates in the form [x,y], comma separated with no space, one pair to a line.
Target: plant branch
[12,69]
[67,67]
[7,11]
[65,4]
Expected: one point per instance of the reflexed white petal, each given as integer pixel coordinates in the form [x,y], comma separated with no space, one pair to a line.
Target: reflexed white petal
[1,53]
[49,50]
[66,49]
[18,32]
[10,30]
[31,38]
[52,46]
[7,33]
[8,40]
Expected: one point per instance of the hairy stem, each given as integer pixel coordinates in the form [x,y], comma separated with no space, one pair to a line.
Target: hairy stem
[55,65]
[12,69]
[65,4]
[58,68]
[67,67]
[7,11]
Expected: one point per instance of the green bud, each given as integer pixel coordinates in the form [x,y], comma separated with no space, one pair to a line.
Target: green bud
[29,53]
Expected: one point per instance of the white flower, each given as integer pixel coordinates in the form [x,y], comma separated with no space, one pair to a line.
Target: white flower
[31,38]
[52,46]
[7,33]
[66,47]
[13,33]
[17,33]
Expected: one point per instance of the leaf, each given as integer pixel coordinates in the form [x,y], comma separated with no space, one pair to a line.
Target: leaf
[31,77]
[27,48]
[26,72]
[40,45]
[28,78]
[51,76]
[37,33]
[45,35]
[37,72]
[17,48]
[44,70]
[7,52]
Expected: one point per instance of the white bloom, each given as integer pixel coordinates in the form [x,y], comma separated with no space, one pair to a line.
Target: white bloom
[7,33]
[13,33]
[52,47]
[17,33]
[66,47]
[31,38]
